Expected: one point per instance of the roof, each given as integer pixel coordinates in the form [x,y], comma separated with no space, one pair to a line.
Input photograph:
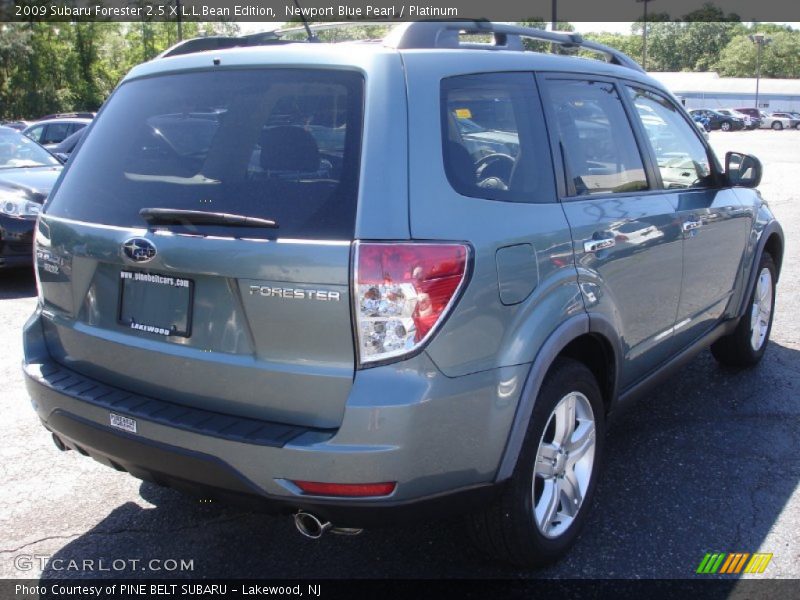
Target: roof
[710,82]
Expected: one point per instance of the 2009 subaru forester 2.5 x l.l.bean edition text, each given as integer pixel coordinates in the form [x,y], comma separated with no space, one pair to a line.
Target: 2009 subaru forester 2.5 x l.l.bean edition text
[354,282]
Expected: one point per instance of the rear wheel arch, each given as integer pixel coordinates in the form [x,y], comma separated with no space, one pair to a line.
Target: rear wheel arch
[591,342]
[597,353]
[774,245]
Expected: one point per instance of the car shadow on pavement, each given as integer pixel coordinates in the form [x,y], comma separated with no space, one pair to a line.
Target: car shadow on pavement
[17,283]
[704,464]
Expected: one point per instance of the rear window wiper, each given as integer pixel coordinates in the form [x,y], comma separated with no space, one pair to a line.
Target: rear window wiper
[177,216]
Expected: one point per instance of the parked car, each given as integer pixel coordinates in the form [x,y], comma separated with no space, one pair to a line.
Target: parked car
[51,132]
[749,122]
[773,122]
[18,125]
[63,150]
[70,115]
[717,120]
[27,173]
[794,118]
[375,331]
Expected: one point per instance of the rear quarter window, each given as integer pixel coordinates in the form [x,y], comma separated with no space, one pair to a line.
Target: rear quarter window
[494,138]
[279,144]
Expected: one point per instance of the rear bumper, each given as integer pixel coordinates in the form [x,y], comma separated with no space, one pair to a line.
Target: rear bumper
[212,479]
[439,438]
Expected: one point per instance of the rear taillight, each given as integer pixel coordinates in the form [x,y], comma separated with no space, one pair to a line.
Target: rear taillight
[402,293]
[353,490]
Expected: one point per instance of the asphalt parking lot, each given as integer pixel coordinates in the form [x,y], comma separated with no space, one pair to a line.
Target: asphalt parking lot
[708,463]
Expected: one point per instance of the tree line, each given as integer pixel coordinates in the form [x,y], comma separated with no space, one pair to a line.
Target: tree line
[50,67]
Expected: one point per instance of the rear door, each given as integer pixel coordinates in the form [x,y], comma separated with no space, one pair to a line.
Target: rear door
[247,320]
[714,221]
[626,240]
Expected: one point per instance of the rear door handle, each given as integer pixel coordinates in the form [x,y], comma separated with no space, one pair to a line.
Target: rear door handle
[597,245]
[692,225]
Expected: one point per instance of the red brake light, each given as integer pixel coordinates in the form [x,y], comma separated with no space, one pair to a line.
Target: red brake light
[346,489]
[402,291]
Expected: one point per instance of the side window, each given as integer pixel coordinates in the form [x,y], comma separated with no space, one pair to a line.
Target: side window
[599,148]
[54,133]
[36,133]
[494,138]
[681,156]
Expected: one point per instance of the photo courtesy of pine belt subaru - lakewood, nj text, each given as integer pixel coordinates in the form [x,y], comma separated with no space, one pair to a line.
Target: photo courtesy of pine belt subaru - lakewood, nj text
[360,282]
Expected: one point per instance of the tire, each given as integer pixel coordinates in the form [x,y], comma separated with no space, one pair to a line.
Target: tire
[509,530]
[797,126]
[746,345]
[725,126]
[777,125]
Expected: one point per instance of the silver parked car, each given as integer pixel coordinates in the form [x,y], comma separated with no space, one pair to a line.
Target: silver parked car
[355,283]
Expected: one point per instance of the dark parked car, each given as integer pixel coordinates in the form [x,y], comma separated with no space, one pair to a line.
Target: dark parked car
[717,120]
[27,174]
[51,132]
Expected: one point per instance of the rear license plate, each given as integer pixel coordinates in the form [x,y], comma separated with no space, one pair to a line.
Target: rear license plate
[157,304]
[124,423]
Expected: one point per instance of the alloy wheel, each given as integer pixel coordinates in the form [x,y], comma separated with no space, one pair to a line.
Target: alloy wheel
[564,462]
[761,311]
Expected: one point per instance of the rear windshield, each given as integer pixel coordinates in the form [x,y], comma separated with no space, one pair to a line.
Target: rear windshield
[279,144]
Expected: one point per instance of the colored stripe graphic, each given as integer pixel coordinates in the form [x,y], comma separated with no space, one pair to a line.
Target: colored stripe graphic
[758,563]
[733,562]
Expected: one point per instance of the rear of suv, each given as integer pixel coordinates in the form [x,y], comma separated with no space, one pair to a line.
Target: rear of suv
[359,282]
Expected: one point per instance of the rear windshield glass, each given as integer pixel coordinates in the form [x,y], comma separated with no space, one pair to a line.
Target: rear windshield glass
[279,144]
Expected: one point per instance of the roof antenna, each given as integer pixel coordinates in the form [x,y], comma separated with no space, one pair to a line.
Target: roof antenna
[309,34]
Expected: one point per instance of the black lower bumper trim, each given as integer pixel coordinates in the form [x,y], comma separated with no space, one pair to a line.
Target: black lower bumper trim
[211,478]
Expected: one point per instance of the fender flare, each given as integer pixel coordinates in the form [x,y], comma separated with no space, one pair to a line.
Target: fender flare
[770,228]
[565,333]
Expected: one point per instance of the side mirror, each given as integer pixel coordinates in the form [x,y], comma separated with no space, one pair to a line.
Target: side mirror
[743,170]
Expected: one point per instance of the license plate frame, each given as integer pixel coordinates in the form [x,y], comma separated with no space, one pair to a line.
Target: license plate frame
[139,283]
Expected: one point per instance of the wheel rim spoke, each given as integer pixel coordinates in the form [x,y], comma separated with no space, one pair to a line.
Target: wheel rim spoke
[547,509]
[582,442]
[565,420]
[571,497]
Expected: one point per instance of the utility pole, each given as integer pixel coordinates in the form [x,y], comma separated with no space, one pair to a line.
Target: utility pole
[179,16]
[644,34]
[760,40]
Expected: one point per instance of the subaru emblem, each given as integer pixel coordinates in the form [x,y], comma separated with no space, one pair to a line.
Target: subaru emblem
[139,250]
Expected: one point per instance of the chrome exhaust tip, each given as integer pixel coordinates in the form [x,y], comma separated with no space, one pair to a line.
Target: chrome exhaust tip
[310,525]
[60,444]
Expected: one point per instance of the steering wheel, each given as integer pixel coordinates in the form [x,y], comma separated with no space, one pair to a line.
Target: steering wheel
[494,170]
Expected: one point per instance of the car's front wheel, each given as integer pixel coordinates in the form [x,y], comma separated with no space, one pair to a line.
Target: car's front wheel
[748,342]
[544,506]
[725,126]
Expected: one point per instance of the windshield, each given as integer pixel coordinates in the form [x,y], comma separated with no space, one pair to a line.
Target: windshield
[18,151]
[278,144]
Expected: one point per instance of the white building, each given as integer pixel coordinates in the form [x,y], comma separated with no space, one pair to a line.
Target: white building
[709,90]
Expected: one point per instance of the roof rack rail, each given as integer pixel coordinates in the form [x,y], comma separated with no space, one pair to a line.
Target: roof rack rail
[417,35]
[446,34]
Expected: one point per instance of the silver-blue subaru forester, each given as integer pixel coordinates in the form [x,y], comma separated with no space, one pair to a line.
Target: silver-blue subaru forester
[361,281]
